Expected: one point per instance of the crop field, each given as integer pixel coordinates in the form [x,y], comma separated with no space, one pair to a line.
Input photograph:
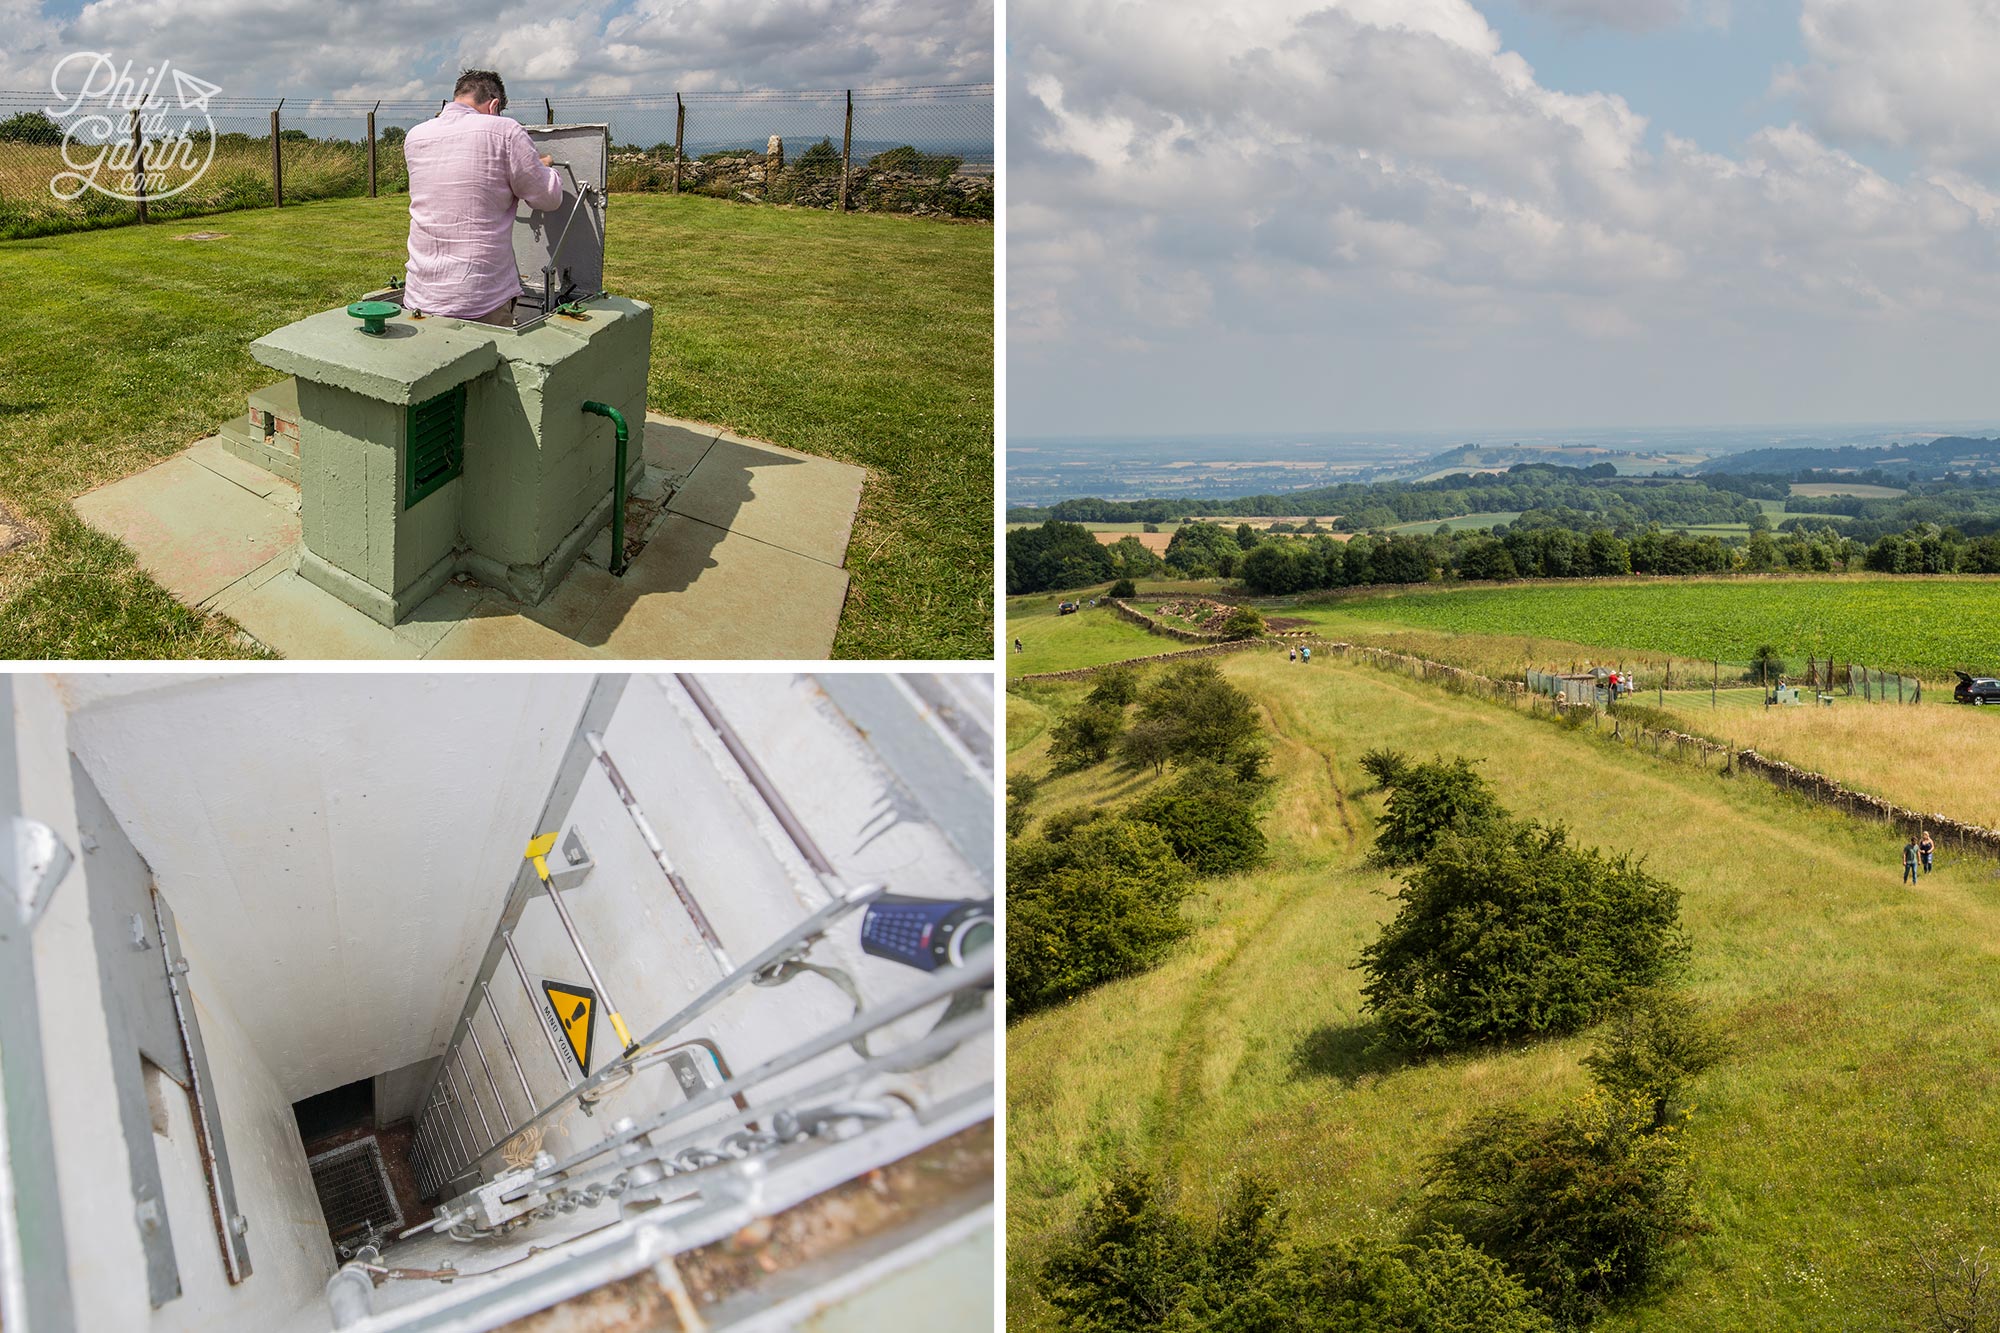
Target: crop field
[1860,490]
[1927,627]
[1850,1125]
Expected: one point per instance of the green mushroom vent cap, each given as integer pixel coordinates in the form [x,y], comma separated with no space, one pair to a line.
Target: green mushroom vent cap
[372,314]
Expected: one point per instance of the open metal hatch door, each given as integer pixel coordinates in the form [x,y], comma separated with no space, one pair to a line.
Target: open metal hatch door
[150,1016]
[34,1260]
[559,252]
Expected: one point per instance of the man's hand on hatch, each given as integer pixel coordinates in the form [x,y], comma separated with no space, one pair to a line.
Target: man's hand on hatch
[548,161]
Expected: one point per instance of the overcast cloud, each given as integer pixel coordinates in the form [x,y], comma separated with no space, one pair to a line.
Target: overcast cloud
[413,48]
[1366,214]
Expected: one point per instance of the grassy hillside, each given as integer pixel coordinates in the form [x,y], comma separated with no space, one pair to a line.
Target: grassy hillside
[1855,1118]
[1090,637]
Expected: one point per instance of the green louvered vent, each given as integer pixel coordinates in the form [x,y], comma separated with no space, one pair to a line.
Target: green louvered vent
[435,449]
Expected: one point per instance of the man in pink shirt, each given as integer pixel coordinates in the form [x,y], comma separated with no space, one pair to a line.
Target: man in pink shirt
[469,168]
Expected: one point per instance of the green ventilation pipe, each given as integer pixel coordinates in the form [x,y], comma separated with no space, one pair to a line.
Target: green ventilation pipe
[617,486]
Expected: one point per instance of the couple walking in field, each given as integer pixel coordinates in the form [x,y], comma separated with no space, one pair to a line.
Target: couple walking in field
[1917,853]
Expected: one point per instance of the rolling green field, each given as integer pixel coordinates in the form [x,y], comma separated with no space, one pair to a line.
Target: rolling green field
[1853,1121]
[865,338]
[1927,627]
[1462,521]
[1090,637]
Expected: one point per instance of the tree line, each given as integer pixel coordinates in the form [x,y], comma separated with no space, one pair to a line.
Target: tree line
[1059,555]
[1596,490]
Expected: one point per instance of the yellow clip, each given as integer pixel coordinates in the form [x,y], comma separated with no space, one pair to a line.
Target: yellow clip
[538,852]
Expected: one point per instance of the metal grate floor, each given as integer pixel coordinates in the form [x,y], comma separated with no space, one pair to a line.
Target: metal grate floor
[354,1188]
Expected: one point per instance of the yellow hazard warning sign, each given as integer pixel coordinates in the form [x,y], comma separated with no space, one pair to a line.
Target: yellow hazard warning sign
[573,1007]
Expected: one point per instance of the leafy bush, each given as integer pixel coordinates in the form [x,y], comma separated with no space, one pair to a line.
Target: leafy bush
[1386,766]
[1766,664]
[907,158]
[1427,801]
[1243,623]
[1437,1284]
[1092,899]
[1123,588]
[1508,931]
[1114,686]
[1135,1262]
[1086,736]
[30,127]
[1149,743]
[1196,714]
[1583,1207]
[1063,824]
[1022,788]
[1208,818]
[1656,1041]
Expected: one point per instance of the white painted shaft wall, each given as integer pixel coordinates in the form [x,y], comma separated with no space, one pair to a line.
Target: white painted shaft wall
[343,843]
[290,1256]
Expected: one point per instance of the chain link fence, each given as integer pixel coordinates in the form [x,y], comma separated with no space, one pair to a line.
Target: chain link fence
[926,151]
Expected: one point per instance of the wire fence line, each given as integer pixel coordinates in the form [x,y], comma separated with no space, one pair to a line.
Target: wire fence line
[927,151]
[1686,682]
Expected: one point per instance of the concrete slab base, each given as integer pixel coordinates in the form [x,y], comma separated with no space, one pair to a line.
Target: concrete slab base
[743,555]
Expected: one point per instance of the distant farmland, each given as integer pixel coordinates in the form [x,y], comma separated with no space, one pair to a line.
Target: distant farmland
[1156,542]
[1859,490]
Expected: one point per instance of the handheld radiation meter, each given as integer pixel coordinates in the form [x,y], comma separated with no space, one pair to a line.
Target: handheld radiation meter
[927,933]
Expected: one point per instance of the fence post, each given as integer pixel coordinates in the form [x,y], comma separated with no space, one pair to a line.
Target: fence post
[138,166]
[1715,683]
[371,152]
[277,160]
[549,107]
[680,128]
[846,150]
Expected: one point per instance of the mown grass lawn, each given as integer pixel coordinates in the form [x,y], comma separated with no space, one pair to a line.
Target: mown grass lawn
[1853,1121]
[864,338]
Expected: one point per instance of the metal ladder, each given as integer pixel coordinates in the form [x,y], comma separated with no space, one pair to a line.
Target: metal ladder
[465,1125]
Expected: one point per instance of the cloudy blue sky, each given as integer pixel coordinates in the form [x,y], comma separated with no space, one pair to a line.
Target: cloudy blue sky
[408,48]
[1277,215]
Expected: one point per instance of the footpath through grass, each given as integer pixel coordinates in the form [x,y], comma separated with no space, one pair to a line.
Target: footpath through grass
[863,338]
[1854,1119]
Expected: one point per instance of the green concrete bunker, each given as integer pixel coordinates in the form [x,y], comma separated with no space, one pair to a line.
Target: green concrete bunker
[466,488]
[429,446]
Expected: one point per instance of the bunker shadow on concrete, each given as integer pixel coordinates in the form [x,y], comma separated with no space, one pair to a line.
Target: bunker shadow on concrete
[741,555]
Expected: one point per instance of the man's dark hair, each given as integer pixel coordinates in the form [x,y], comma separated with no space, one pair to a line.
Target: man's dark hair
[484,85]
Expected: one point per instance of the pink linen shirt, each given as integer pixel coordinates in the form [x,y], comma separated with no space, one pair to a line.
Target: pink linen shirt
[466,172]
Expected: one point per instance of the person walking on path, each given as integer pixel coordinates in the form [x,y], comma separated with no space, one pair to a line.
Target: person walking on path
[1910,861]
[1925,848]
[1291,654]
[1305,654]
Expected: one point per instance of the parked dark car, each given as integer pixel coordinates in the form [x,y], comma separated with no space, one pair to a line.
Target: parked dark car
[1976,689]
[1067,608]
